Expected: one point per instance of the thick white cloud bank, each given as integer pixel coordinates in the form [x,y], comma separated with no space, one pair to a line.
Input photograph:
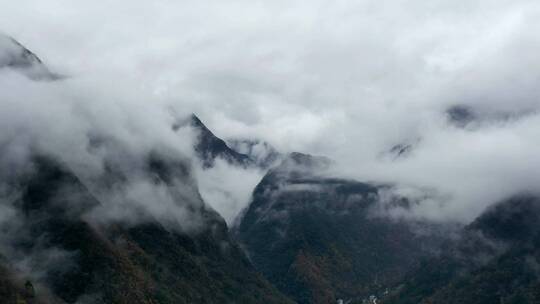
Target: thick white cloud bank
[346,79]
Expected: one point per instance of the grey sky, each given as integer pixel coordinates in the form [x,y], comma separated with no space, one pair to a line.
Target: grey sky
[347,79]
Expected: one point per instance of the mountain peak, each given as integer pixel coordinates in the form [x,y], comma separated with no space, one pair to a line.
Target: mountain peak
[15,56]
[209,146]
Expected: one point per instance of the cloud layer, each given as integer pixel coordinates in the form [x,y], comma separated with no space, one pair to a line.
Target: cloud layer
[346,79]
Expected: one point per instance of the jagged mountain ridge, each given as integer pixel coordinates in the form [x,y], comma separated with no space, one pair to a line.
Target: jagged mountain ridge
[209,147]
[63,239]
[315,236]
[117,263]
[238,152]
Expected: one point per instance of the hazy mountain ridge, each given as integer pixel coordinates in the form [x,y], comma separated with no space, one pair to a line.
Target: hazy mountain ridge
[209,147]
[495,260]
[81,239]
[115,262]
[317,239]
[132,230]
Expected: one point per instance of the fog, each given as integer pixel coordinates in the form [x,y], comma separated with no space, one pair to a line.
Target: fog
[345,79]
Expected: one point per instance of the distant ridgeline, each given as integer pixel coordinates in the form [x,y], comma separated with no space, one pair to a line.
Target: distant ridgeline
[307,236]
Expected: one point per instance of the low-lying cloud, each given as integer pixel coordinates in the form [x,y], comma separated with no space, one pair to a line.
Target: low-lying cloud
[228,188]
[346,79]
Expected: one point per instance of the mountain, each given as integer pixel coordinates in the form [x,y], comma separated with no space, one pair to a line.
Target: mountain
[15,56]
[134,229]
[469,117]
[496,260]
[262,153]
[246,153]
[317,238]
[210,147]
[130,226]
[145,262]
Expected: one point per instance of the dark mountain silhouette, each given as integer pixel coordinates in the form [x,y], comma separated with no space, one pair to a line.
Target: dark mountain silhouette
[306,237]
[60,246]
[316,238]
[496,260]
[210,147]
[237,152]
[117,263]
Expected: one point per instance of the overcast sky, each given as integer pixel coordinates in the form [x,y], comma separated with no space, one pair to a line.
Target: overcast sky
[346,79]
